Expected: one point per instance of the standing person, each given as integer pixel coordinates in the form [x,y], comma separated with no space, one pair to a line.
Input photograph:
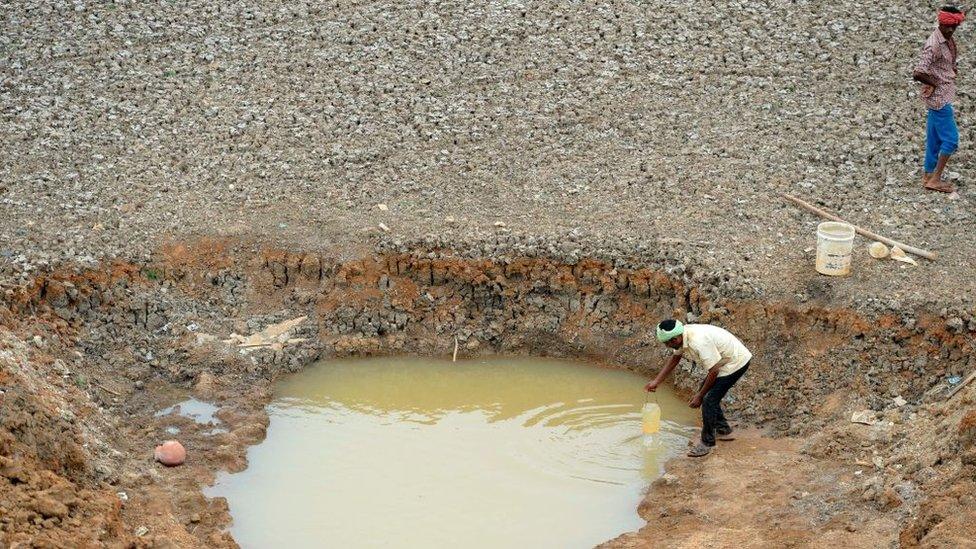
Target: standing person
[725,358]
[936,70]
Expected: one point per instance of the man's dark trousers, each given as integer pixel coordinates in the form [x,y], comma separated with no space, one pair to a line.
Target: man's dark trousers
[713,420]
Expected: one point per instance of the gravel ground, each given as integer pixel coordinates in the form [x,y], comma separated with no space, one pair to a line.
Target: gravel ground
[128,123]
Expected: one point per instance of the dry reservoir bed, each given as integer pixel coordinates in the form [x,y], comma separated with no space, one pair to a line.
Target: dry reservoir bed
[91,356]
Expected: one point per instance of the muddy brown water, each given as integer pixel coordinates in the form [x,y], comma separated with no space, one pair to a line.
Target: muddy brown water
[506,452]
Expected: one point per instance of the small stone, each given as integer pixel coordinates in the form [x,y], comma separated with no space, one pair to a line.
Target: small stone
[12,470]
[49,507]
[140,385]
[141,531]
[383,207]
[383,227]
[956,324]
[500,224]
[667,479]
[867,417]
[889,499]
[899,401]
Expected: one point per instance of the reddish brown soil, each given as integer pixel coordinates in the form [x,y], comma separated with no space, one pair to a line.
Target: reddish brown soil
[87,357]
[757,492]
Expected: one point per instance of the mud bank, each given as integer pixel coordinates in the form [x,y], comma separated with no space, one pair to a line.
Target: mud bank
[89,355]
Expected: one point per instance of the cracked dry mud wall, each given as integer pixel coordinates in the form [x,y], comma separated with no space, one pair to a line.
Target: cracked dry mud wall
[419,302]
[808,357]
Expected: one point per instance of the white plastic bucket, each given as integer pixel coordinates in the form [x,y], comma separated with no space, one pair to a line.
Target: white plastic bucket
[835,243]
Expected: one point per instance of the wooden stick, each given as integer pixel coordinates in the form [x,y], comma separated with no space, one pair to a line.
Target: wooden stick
[106,389]
[252,345]
[959,387]
[455,349]
[863,232]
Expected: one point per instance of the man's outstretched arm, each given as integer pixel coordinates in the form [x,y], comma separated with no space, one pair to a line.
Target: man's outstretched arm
[665,372]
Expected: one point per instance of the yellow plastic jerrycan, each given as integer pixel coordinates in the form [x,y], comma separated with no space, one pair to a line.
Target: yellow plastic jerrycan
[651,418]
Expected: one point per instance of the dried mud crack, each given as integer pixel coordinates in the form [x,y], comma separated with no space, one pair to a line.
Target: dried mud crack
[89,355]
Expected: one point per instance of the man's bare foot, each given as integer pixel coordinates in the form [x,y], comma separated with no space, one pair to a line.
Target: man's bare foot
[925,178]
[934,184]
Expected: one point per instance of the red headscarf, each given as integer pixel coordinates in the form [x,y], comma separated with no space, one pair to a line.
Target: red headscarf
[951,19]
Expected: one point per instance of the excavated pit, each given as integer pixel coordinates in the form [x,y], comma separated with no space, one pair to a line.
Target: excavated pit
[90,356]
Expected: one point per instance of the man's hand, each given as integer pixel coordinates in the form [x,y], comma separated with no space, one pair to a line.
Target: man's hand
[652,386]
[927,90]
[695,402]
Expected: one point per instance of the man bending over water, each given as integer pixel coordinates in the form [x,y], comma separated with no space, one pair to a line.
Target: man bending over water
[725,358]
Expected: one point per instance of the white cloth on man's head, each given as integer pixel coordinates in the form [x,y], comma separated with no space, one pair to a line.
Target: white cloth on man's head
[707,344]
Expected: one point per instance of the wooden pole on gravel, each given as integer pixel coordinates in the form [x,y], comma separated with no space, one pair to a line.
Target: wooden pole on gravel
[863,232]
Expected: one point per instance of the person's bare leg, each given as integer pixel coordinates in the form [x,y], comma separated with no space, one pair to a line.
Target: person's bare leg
[935,182]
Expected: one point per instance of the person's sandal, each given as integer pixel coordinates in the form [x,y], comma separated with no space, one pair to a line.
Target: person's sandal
[700,450]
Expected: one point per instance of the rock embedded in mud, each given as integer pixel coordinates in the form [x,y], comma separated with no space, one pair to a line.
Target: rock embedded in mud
[49,507]
[866,417]
[12,470]
[967,430]
[170,453]
[956,324]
